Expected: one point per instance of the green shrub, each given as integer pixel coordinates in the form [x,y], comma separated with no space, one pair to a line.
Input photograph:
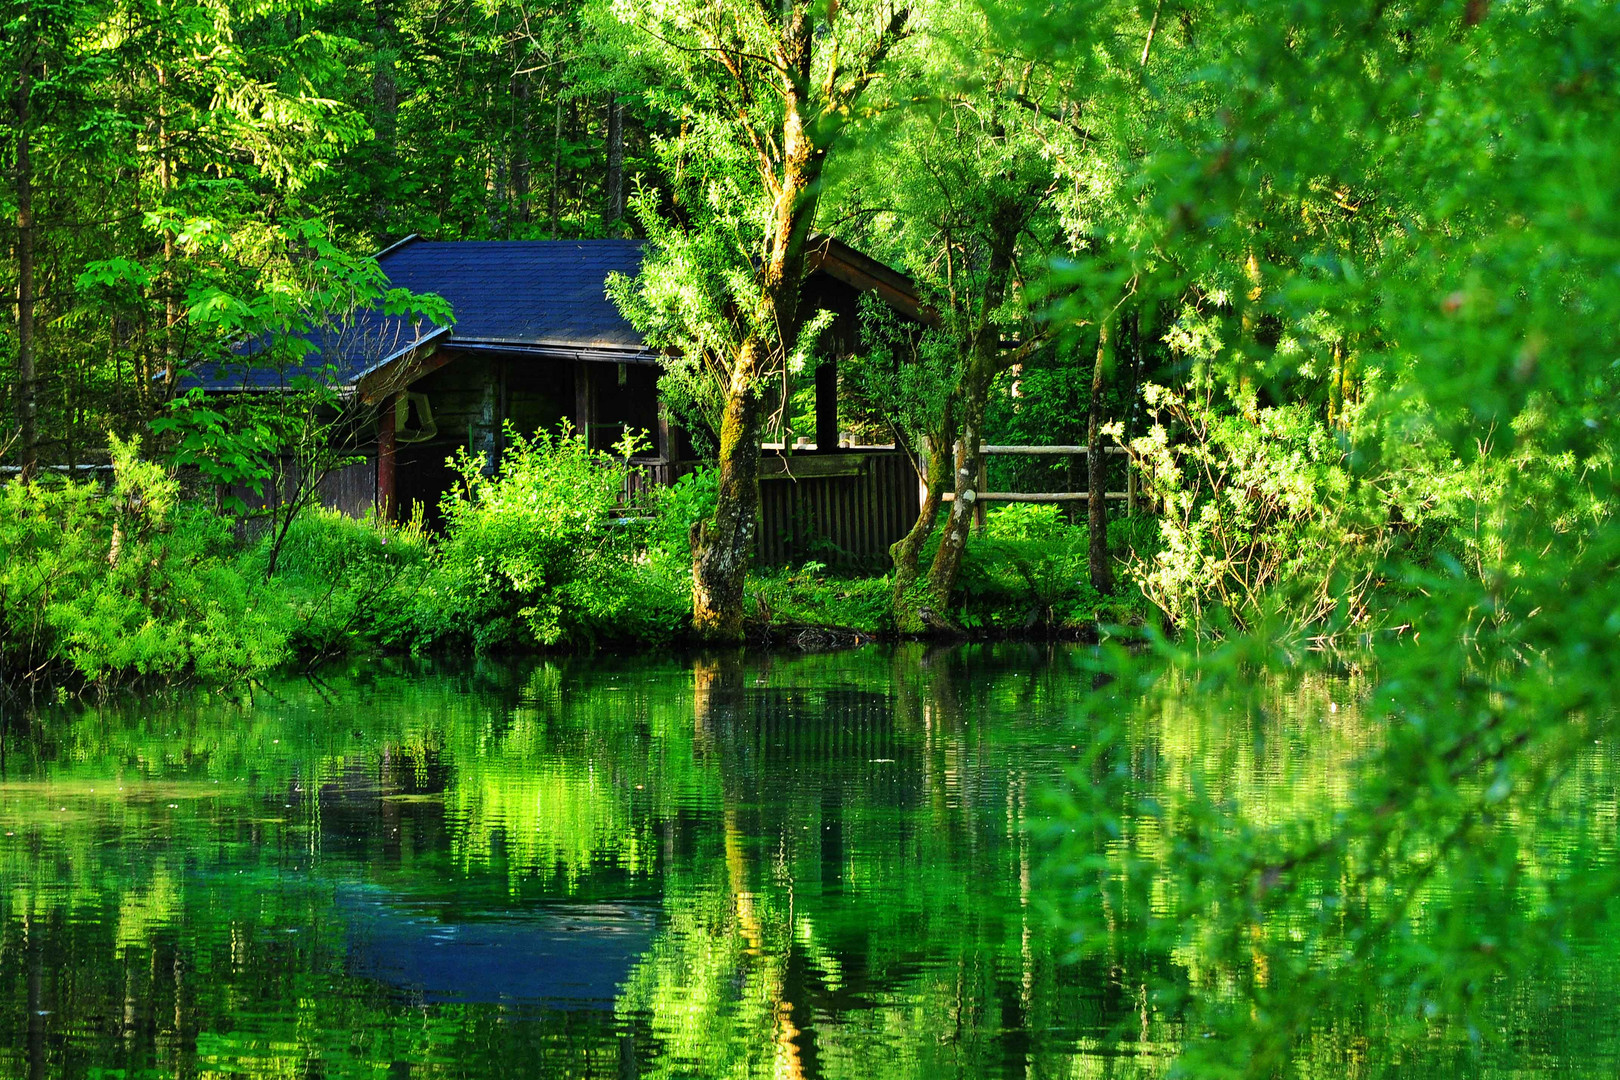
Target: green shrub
[1030,570]
[809,596]
[348,582]
[113,585]
[675,509]
[535,554]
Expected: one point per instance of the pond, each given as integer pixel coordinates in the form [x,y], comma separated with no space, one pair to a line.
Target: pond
[716,866]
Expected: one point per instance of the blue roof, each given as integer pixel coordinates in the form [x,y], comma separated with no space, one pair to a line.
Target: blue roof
[527,294]
[524,292]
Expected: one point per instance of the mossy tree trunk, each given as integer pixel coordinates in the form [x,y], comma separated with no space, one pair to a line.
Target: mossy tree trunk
[722,545]
[906,552]
[790,161]
[956,449]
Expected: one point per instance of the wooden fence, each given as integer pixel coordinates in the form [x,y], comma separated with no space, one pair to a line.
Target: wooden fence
[843,508]
[1130,496]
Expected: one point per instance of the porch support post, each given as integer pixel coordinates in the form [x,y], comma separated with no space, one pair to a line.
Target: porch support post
[385,459]
[827,405]
[669,448]
[584,400]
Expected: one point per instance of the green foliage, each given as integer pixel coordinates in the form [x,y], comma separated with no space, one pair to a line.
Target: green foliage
[809,596]
[348,584]
[1029,572]
[1393,281]
[1257,510]
[533,553]
[133,583]
[901,380]
[125,584]
[232,444]
[676,509]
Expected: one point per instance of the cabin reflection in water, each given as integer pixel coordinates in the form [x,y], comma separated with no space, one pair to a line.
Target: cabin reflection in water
[757,866]
[564,956]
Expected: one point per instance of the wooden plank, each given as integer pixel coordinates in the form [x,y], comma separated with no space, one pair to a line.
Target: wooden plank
[808,466]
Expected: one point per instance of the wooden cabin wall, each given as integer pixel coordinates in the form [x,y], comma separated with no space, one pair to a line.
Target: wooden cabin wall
[351,490]
[471,397]
[539,393]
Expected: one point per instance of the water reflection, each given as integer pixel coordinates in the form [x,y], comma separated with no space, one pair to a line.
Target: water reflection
[726,866]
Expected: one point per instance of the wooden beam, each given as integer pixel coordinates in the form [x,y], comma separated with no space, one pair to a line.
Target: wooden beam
[843,263]
[805,466]
[584,400]
[668,447]
[385,459]
[399,374]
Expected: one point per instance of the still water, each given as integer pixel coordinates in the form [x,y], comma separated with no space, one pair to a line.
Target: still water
[810,866]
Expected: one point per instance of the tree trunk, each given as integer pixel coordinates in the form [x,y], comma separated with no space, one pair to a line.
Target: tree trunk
[972,393]
[907,551]
[521,92]
[556,167]
[27,401]
[723,545]
[1102,571]
[614,209]
[171,288]
[1133,403]
[385,107]
[968,460]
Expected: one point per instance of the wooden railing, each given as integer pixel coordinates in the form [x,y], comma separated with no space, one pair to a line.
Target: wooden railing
[1130,495]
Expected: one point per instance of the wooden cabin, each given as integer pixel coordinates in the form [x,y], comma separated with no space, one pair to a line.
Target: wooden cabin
[536,340]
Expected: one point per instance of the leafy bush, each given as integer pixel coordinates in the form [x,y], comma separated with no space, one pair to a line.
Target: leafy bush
[675,509]
[1255,503]
[1030,569]
[347,581]
[109,585]
[534,553]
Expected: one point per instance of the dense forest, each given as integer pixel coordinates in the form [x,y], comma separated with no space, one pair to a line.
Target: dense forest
[1338,282]
[1332,276]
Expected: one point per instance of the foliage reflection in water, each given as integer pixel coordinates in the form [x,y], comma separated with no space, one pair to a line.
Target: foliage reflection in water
[809,866]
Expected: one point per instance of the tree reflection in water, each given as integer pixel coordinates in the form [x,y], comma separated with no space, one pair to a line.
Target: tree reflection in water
[729,866]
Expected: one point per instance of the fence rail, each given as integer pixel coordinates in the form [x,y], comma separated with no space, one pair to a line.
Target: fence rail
[1037,496]
[1129,496]
[1048,451]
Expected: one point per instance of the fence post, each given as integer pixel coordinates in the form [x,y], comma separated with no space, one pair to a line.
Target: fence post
[979,485]
[1130,487]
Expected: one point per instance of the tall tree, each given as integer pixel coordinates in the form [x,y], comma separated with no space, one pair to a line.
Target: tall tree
[772,89]
[27,33]
[1005,176]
